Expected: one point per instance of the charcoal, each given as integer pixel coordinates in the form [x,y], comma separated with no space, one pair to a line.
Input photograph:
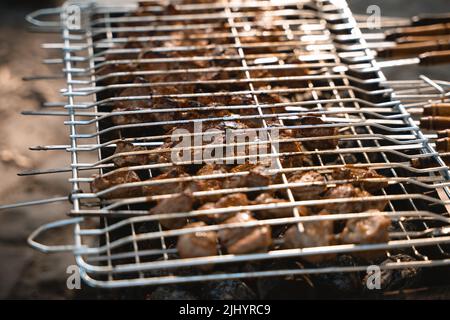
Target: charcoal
[228,290]
[396,279]
[346,283]
[171,293]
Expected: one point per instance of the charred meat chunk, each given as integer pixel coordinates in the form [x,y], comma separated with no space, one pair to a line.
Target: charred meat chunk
[129,160]
[350,191]
[273,213]
[358,174]
[210,184]
[163,187]
[311,191]
[242,240]
[178,204]
[197,244]
[366,230]
[293,160]
[257,177]
[314,234]
[137,104]
[231,200]
[329,132]
[103,182]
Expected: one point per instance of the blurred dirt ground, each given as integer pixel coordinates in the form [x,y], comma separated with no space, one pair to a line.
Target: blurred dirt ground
[26,273]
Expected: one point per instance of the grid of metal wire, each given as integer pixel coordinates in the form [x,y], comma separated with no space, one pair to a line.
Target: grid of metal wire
[313,55]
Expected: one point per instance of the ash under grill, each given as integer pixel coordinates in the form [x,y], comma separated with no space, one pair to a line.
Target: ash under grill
[296,75]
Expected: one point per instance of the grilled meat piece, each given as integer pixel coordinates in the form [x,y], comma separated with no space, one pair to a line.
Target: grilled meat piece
[367,230]
[177,204]
[307,192]
[295,160]
[210,184]
[245,240]
[133,105]
[103,182]
[349,173]
[197,244]
[231,200]
[257,177]
[350,191]
[329,143]
[269,213]
[170,187]
[129,160]
[314,234]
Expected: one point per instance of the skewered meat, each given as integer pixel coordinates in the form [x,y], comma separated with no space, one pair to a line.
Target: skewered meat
[308,192]
[231,200]
[329,143]
[266,198]
[245,240]
[367,230]
[129,160]
[177,204]
[349,173]
[314,234]
[197,244]
[350,191]
[103,182]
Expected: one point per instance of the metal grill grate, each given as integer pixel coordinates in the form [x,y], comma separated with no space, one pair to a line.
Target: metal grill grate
[314,56]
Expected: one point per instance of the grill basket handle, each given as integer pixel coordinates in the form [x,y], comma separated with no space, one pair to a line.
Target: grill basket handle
[49,226]
[35,18]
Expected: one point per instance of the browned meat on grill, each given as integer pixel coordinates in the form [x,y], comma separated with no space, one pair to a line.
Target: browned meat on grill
[107,73]
[109,70]
[257,177]
[197,244]
[367,231]
[167,187]
[129,160]
[242,240]
[309,191]
[357,174]
[350,191]
[314,234]
[231,200]
[178,204]
[329,132]
[140,104]
[273,213]
[135,91]
[296,159]
[103,182]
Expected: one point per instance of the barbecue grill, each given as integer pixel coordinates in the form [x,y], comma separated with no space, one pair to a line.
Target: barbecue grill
[331,74]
